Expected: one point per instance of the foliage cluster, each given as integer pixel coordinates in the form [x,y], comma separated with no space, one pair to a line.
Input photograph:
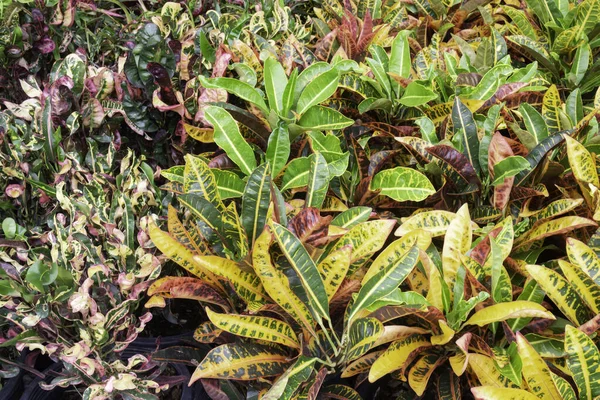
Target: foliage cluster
[364,198]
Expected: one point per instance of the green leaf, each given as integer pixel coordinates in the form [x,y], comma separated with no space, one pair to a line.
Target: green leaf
[256,201]
[289,93]
[400,62]
[199,179]
[290,381]
[490,82]
[275,83]
[318,90]
[319,118]
[305,267]
[534,122]
[416,95]
[238,88]
[403,184]
[229,138]
[508,168]
[384,282]
[278,149]
[9,227]
[464,124]
[229,184]
[318,181]
[296,173]
[380,74]
[352,217]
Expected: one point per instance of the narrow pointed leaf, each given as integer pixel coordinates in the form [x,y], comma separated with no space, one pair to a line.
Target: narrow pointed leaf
[227,136]
[503,311]
[255,327]
[583,360]
[305,267]
[560,292]
[241,361]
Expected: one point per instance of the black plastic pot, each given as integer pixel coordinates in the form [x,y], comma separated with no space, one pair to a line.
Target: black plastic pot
[24,387]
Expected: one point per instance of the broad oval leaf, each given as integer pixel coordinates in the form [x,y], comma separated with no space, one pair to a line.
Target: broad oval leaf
[582,163]
[403,184]
[236,87]
[457,242]
[319,118]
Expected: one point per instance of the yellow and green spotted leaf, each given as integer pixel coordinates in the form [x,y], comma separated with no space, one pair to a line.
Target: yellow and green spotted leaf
[485,370]
[583,360]
[177,252]
[276,284]
[587,289]
[365,238]
[255,327]
[246,283]
[362,364]
[436,222]
[333,269]
[560,292]
[242,361]
[363,335]
[421,371]
[584,257]
[553,227]
[199,179]
[551,109]
[536,371]
[496,393]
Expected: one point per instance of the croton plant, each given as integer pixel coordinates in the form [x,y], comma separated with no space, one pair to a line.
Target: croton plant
[360,199]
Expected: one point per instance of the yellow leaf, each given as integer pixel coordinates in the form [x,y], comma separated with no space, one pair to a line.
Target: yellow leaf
[585,258]
[333,269]
[446,335]
[399,353]
[487,373]
[456,243]
[204,135]
[503,311]
[494,393]
[419,374]
[536,371]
